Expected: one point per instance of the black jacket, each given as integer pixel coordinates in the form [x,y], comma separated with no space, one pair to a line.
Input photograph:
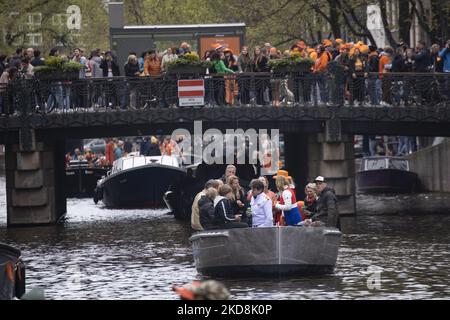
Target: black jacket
[398,64]
[310,208]
[131,69]
[223,213]
[36,62]
[373,63]
[327,209]
[240,210]
[351,66]
[422,61]
[206,212]
[114,67]
[153,150]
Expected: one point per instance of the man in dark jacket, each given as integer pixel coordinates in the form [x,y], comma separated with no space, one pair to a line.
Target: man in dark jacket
[109,66]
[206,205]
[224,217]
[327,205]
[422,59]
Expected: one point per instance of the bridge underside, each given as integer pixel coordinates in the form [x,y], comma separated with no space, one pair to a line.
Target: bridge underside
[318,141]
[419,121]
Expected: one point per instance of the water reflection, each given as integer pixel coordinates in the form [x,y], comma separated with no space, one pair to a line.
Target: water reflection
[139,254]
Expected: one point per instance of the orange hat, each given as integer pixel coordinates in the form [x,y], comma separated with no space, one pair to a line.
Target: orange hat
[187,292]
[340,41]
[301,44]
[228,50]
[364,49]
[217,46]
[283,173]
[203,290]
[327,42]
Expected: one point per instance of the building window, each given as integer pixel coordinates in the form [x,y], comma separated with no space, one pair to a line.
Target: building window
[33,39]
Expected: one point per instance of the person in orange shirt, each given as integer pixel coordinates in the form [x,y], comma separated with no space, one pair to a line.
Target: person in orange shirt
[109,152]
[320,70]
[152,65]
[385,66]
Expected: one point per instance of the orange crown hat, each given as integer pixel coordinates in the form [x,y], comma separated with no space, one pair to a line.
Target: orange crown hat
[327,42]
[283,173]
[340,41]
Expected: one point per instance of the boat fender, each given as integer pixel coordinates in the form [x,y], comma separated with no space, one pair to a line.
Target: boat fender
[20,280]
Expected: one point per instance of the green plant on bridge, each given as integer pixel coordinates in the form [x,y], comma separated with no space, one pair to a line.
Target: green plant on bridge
[189,59]
[291,63]
[58,64]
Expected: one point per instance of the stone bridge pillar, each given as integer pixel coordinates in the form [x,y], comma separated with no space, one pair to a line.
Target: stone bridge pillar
[34,182]
[331,154]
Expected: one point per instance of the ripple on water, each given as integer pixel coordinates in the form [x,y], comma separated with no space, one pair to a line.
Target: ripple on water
[139,254]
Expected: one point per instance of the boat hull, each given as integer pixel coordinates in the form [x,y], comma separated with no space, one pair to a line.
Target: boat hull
[278,251]
[12,273]
[386,181]
[81,182]
[141,187]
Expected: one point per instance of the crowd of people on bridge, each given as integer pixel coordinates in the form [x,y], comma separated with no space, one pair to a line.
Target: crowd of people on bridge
[355,60]
[225,204]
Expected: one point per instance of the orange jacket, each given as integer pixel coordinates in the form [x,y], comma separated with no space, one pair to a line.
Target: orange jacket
[322,62]
[383,61]
[109,153]
[152,67]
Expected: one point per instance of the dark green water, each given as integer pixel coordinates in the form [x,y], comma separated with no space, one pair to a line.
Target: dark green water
[139,254]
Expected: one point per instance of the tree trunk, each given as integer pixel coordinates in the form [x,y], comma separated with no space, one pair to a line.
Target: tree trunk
[404,21]
[387,29]
[334,18]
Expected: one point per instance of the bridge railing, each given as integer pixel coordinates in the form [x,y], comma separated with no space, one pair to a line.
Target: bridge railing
[340,88]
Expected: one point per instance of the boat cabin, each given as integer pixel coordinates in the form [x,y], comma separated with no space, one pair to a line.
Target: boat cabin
[380,163]
[130,162]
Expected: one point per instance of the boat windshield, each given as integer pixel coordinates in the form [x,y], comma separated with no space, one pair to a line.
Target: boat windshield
[376,164]
[399,164]
[138,161]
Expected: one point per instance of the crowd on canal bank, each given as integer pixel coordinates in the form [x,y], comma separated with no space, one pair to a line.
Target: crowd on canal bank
[225,204]
[356,61]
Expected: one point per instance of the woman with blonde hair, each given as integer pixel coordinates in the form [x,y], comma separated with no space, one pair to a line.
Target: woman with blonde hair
[310,199]
[287,202]
[238,202]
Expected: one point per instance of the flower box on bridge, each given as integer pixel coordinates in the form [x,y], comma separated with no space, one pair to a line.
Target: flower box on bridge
[187,69]
[57,75]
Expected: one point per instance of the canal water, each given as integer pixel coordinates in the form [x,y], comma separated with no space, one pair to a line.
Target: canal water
[398,247]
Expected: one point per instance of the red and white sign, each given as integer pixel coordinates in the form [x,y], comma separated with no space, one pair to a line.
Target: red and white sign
[191,92]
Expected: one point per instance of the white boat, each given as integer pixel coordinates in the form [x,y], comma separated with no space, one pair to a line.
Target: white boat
[139,181]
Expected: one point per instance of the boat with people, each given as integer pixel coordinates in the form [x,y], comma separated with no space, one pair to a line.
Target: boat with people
[179,196]
[276,251]
[12,273]
[138,181]
[386,174]
[81,179]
